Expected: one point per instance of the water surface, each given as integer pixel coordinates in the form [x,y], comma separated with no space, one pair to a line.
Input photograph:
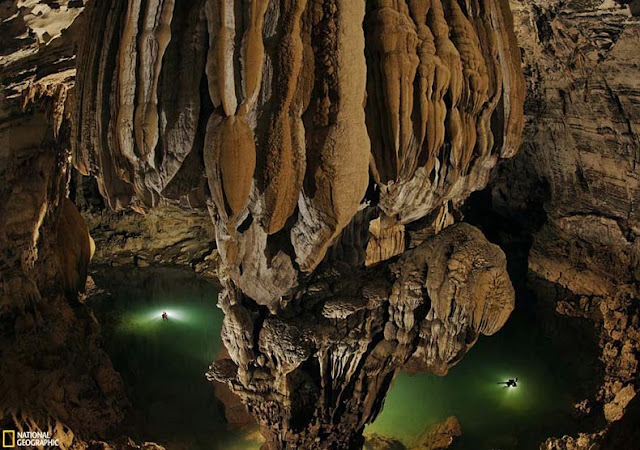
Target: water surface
[162,363]
[539,349]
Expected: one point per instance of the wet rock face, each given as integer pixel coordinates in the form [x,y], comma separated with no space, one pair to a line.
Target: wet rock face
[286,108]
[438,436]
[315,132]
[315,374]
[443,87]
[53,374]
[51,364]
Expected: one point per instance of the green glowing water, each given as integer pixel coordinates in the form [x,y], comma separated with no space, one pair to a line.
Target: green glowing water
[162,363]
[551,378]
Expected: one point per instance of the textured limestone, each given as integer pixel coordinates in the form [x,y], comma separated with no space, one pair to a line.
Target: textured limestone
[51,367]
[584,441]
[385,242]
[74,246]
[35,33]
[615,409]
[168,235]
[316,373]
[438,436]
[577,175]
[469,290]
[437,74]
[294,91]
[316,133]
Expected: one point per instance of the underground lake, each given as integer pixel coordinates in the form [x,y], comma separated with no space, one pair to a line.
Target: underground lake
[162,363]
[537,347]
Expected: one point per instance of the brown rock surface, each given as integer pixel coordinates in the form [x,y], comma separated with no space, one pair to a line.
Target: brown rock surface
[170,234]
[438,436]
[282,133]
[336,348]
[576,176]
[316,133]
[51,366]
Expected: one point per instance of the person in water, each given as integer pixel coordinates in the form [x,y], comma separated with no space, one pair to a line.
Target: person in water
[165,316]
[511,382]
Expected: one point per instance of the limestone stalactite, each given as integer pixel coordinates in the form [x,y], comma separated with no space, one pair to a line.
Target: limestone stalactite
[296,93]
[332,143]
[323,129]
[315,375]
[439,75]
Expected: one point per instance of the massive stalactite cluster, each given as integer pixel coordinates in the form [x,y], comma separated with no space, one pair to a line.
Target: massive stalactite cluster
[287,108]
[316,374]
[332,142]
[322,129]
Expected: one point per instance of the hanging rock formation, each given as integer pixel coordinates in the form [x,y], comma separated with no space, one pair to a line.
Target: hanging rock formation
[444,100]
[332,143]
[316,131]
[287,107]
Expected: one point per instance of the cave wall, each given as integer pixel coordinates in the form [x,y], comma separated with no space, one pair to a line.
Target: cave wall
[573,188]
[53,374]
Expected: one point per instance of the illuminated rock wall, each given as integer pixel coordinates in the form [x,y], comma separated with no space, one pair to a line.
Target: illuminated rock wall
[315,374]
[283,115]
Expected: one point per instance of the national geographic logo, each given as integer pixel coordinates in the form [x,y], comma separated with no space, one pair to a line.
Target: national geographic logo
[28,439]
[8,438]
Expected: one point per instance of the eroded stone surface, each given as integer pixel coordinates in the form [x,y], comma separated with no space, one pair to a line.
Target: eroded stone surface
[51,365]
[294,92]
[315,133]
[577,172]
[316,373]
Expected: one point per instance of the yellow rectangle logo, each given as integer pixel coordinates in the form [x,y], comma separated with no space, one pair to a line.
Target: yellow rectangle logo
[8,438]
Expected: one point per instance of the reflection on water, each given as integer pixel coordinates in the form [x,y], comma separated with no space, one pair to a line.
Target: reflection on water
[163,362]
[551,379]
